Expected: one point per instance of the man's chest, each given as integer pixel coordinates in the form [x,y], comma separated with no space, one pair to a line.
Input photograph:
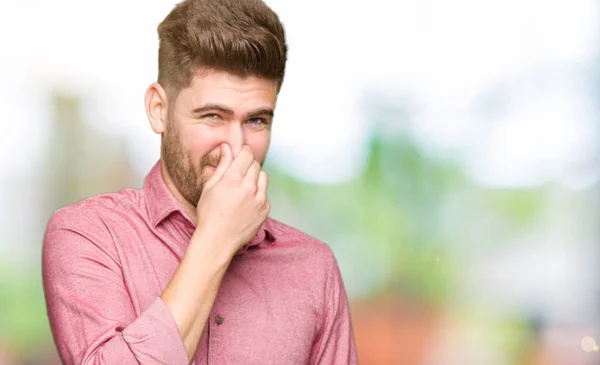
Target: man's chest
[250,324]
[263,313]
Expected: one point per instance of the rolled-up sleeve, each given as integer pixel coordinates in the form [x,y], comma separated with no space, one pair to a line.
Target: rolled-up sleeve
[335,344]
[91,314]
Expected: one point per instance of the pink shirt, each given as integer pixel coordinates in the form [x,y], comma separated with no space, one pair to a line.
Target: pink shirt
[107,259]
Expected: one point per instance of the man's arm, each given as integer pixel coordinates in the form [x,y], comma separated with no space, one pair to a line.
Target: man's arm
[90,311]
[335,343]
[91,314]
[192,291]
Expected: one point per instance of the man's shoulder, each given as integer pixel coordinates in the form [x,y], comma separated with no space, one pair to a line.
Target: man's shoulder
[288,236]
[86,228]
[96,210]
[291,234]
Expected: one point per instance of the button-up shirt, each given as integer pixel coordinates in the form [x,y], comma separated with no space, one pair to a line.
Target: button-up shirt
[107,259]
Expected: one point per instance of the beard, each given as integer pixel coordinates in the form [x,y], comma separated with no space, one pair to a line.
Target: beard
[189,178]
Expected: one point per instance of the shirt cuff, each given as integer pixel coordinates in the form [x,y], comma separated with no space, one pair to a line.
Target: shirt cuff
[154,337]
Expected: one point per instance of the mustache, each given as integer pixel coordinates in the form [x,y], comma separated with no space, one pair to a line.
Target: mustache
[212,160]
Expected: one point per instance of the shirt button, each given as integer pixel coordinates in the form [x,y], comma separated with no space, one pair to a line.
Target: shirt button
[219,320]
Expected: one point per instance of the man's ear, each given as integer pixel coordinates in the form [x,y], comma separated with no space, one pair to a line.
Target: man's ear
[157,107]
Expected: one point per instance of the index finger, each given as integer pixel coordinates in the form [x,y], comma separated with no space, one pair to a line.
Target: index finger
[242,162]
[224,163]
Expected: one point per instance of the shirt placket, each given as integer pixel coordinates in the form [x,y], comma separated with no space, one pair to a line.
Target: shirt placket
[216,324]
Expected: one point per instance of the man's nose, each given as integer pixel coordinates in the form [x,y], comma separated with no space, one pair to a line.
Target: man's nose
[236,138]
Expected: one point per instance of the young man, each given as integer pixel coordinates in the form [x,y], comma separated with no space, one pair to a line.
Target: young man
[189,269]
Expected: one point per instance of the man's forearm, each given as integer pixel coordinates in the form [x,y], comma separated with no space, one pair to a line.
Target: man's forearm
[192,291]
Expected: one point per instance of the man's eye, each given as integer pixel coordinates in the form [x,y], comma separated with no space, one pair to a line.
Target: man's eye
[257,121]
[210,116]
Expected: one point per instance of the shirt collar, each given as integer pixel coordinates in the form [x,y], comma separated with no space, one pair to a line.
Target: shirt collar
[162,204]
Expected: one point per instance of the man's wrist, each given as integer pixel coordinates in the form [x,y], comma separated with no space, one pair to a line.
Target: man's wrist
[211,244]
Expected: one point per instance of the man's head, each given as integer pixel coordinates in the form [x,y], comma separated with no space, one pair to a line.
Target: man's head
[221,65]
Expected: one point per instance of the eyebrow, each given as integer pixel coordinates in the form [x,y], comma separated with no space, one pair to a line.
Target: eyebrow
[223,109]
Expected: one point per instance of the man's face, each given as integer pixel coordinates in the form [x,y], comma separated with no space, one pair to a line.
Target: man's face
[217,108]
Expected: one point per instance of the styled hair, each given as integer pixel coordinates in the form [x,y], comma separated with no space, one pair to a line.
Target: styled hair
[242,37]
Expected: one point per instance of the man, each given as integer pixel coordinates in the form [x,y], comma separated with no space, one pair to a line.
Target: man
[189,269]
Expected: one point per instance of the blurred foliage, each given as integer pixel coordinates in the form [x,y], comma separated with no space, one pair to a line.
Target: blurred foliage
[23,317]
[412,211]
[394,206]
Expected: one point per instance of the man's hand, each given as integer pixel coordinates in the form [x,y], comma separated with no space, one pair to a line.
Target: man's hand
[234,202]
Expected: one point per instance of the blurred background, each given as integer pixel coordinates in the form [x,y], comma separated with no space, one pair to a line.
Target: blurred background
[447,151]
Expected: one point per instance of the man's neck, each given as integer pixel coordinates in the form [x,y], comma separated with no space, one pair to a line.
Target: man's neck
[188,208]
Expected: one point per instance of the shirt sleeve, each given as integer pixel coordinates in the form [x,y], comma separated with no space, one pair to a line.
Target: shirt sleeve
[335,344]
[91,314]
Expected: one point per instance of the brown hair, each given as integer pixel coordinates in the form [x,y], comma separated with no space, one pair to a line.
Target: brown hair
[243,37]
